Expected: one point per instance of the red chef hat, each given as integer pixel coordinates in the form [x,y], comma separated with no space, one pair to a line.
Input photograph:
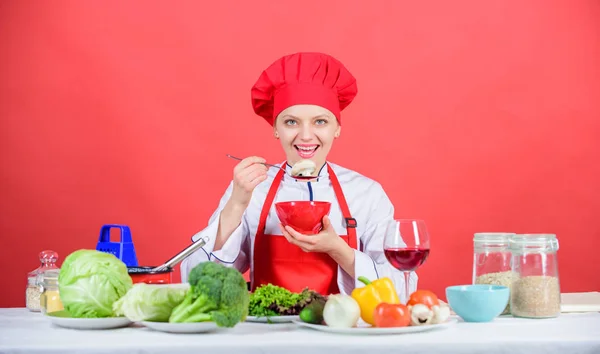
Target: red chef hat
[303,78]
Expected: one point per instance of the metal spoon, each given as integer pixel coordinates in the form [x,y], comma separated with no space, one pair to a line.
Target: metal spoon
[182,255]
[302,178]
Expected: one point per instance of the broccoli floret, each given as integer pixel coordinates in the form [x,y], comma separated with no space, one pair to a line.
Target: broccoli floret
[217,293]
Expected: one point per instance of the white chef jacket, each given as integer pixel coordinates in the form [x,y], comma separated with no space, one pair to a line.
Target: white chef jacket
[368,204]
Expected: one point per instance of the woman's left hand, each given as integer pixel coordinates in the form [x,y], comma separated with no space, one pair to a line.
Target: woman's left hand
[326,241]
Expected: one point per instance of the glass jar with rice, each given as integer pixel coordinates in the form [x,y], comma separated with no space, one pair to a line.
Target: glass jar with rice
[32,293]
[48,259]
[492,261]
[536,291]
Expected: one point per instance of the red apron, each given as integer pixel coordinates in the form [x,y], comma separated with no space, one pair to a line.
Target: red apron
[281,263]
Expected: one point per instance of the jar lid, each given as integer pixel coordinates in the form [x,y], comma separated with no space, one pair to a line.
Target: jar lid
[493,237]
[48,256]
[534,241]
[47,259]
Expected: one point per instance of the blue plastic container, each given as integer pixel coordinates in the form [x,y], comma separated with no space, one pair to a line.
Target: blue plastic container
[123,250]
[478,303]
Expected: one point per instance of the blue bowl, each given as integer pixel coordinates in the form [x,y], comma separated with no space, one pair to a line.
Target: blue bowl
[478,303]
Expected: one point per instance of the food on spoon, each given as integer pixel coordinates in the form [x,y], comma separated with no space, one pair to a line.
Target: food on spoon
[372,294]
[217,293]
[392,315]
[90,282]
[150,302]
[304,168]
[271,300]
[341,311]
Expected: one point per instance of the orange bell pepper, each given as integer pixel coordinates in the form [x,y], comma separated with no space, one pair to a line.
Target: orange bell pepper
[376,292]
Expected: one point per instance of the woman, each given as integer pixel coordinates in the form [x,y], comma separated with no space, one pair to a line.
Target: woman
[301,96]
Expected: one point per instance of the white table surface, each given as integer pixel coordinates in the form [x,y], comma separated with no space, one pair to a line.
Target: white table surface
[24,332]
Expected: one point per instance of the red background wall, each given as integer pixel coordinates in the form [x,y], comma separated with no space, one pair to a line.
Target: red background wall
[474,115]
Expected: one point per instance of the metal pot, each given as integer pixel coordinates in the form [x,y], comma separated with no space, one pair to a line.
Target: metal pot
[149,275]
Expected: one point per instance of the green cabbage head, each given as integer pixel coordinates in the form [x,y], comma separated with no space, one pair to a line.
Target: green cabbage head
[90,282]
[151,302]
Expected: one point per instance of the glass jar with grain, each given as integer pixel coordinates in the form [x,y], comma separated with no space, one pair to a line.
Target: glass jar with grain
[492,260]
[50,296]
[33,291]
[536,291]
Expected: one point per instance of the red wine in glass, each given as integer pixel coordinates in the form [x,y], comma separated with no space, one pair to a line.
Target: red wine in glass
[406,259]
[406,247]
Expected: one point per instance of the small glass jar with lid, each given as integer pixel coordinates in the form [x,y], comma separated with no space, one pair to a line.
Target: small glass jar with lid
[536,292]
[50,296]
[48,260]
[492,260]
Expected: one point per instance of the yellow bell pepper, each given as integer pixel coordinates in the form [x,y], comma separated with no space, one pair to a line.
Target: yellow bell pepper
[371,295]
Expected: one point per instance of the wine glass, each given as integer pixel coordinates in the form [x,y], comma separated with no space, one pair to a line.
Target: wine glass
[406,247]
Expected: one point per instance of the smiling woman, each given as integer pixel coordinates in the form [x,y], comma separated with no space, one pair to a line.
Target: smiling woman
[301,96]
[306,132]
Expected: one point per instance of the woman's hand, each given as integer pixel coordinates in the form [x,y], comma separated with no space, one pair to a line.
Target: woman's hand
[247,174]
[326,241]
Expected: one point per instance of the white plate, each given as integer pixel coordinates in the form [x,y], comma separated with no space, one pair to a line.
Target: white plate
[367,329]
[273,319]
[194,327]
[88,323]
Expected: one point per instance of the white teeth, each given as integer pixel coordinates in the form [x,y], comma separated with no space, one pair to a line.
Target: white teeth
[306,148]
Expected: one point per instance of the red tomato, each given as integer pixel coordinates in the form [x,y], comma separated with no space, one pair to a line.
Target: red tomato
[424,297]
[391,315]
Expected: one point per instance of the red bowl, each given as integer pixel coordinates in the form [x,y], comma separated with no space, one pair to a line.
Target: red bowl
[303,216]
